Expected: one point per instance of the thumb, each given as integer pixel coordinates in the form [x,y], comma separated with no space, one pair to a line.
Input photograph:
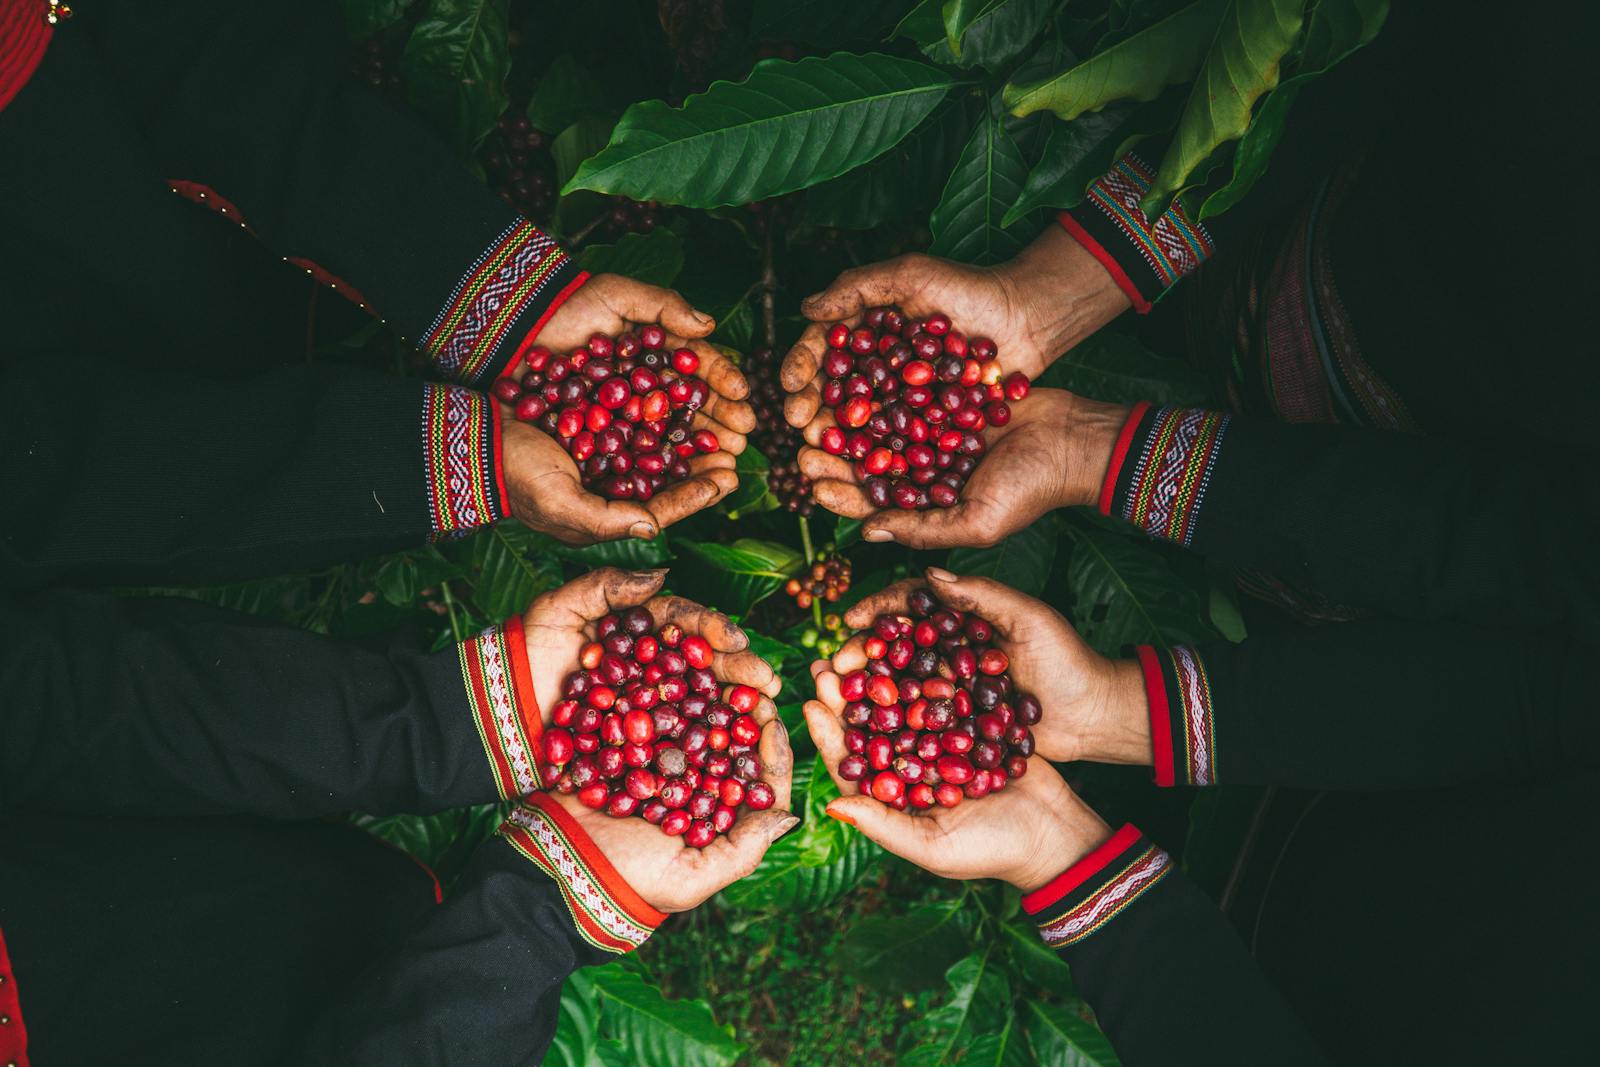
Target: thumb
[896,831]
[614,520]
[934,528]
[1001,605]
[639,302]
[597,594]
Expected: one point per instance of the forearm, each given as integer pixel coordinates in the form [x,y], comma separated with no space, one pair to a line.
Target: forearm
[168,707]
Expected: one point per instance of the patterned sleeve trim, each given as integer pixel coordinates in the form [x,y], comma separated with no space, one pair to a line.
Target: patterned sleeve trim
[1144,259]
[461,457]
[606,910]
[503,300]
[499,684]
[1182,715]
[1160,470]
[1098,888]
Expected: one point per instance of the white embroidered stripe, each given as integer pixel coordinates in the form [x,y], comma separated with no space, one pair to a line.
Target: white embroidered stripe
[564,864]
[503,706]
[1195,692]
[463,455]
[1172,470]
[458,351]
[1115,894]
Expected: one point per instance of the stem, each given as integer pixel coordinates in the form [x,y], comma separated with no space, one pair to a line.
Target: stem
[575,242]
[805,540]
[769,289]
[450,606]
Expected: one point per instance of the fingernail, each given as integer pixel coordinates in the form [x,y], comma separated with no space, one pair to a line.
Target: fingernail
[701,317]
[783,827]
[938,574]
[813,298]
[877,534]
[651,574]
[643,530]
[841,816]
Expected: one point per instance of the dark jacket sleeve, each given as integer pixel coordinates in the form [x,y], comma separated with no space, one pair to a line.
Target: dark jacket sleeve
[1421,528]
[256,106]
[1167,977]
[478,981]
[170,479]
[171,707]
[1373,705]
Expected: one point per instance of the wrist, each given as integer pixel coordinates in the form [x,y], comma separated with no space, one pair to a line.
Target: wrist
[1065,293]
[1120,731]
[1092,430]
[1066,834]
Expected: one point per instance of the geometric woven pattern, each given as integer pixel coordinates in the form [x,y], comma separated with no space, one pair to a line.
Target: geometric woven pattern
[1183,730]
[499,685]
[461,456]
[1175,457]
[1171,248]
[1098,888]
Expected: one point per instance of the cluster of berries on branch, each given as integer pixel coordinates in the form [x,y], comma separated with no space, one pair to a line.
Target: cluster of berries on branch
[645,728]
[775,438]
[517,159]
[826,581]
[622,407]
[934,717]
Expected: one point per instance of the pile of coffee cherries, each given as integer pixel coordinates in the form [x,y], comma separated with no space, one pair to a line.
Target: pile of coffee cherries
[622,407]
[911,398]
[934,717]
[644,728]
[827,580]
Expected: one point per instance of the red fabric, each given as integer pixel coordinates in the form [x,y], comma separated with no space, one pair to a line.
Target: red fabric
[1107,260]
[1082,871]
[1119,455]
[533,335]
[522,681]
[1155,691]
[13,1035]
[24,35]
[498,459]
[608,876]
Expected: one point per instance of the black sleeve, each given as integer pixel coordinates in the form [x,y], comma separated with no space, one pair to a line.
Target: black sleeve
[169,479]
[1415,527]
[478,981]
[256,105]
[1168,979]
[171,707]
[1373,705]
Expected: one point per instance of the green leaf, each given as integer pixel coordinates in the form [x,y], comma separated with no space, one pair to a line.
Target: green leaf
[907,951]
[1061,1038]
[511,574]
[785,127]
[631,553]
[1337,29]
[785,879]
[988,33]
[776,653]
[1113,366]
[1036,962]
[567,92]
[1251,40]
[979,993]
[1022,561]
[577,1024]
[1077,152]
[577,144]
[823,22]
[754,495]
[655,257]
[654,1029]
[443,841]
[1008,1048]
[368,18]
[923,25]
[1125,593]
[1222,604]
[1136,68]
[455,66]
[904,182]
[987,180]
[740,575]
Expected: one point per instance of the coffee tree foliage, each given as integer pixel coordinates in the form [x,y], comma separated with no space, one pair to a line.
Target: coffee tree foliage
[871,127]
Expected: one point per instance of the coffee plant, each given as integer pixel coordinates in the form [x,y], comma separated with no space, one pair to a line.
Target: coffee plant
[745,152]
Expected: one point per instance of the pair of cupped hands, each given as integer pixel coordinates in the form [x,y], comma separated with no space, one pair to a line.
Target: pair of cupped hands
[1053,453]
[1027,833]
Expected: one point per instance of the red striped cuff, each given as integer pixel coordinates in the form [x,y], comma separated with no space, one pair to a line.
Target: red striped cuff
[1161,469]
[604,907]
[463,467]
[1182,715]
[1098,888]
[499,685]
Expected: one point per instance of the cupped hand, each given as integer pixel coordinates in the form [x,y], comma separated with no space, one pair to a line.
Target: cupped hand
[1053,453]
[1093,708]
[559,623]
[609,303]
[1053,295]
[1026,834]
[672,876]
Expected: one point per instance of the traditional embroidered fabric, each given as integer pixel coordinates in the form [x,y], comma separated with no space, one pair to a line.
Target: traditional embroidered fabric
[521,267]
[1182,715]
[495,671]
[461,449]
[607,912]
[1094,891]
[1160,478]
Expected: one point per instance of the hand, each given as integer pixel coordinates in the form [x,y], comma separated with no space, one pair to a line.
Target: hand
[1026,834]
[558,624]
[1052,296]
[547,493]
[1093,708]
[608,303]
[670,875]
[1053,453]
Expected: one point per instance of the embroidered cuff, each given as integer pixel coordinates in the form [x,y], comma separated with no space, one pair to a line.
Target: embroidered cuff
[461,458]
[1144,259]
[1182,720]
[1096,889]
[607,912]
[1161,467]
[495,671]
[501,304]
